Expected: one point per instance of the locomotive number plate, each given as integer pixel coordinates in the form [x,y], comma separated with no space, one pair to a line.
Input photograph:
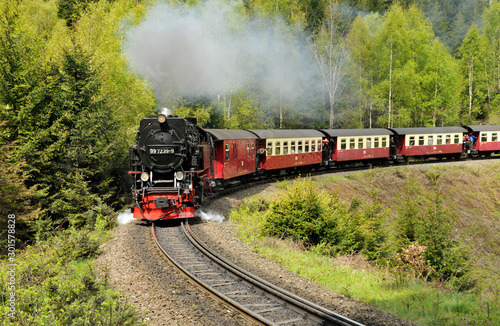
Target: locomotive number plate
[160,151]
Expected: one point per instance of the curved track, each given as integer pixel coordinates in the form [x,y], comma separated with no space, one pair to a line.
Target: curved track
[255,298]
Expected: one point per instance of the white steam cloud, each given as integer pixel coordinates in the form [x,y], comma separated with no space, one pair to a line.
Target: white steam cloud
[212,49]
[210,216]
[125,217]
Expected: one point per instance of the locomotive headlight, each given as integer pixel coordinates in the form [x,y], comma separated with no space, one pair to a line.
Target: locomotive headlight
[144,176]
[179,175]
[162,118]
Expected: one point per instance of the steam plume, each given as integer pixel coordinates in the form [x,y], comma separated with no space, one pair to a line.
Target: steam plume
[212,49]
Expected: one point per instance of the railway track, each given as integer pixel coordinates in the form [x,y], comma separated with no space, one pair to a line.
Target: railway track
[256,299]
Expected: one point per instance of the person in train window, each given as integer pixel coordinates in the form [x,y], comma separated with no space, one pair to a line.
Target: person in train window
[466,141]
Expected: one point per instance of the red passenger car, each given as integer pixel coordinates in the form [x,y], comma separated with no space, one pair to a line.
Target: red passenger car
[429,142]
[288,149]
[487,140]
[352,145]
[234,154]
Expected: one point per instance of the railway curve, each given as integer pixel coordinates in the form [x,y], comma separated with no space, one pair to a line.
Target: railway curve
[256,298]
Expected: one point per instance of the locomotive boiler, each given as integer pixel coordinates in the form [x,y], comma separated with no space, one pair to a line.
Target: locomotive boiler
[169,164]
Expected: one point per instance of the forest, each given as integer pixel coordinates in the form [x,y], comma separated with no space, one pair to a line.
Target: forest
[76,77]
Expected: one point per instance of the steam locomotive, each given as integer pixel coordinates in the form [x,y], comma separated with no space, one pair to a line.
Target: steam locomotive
[170,165]
[175,163]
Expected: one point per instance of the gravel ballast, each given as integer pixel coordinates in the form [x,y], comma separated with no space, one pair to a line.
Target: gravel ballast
[164,297]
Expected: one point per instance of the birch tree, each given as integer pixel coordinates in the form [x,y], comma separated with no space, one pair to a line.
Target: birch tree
[332,54]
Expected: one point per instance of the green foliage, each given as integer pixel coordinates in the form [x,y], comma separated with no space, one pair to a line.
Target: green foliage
[57,284]
[323,223]
[427,222]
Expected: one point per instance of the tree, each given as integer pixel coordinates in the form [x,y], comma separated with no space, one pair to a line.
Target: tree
[402,49]
[440,86]
[360,43]
[492,62]
[471,54]
[332,54]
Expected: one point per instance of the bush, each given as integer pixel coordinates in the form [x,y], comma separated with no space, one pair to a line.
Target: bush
[305,213]
[57,284]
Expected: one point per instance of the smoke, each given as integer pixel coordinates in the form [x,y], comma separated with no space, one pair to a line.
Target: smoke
[213,48]
[125,217]
[210,216]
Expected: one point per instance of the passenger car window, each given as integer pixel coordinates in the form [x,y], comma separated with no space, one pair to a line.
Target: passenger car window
[494,136]
[430,140]
[376,142]
[457,139]
[368,143]
[227,152]
[277,148]
[412,141]
[439,139]
[352,143]
[384,142]
[306,150]
[299,146]
[269,148]
[484,137]
[448,139]
[285,147]
[360,143]
[343,143]
[293,147]
[420,140]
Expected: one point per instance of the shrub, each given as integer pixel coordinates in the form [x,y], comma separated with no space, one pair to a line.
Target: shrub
[57,284]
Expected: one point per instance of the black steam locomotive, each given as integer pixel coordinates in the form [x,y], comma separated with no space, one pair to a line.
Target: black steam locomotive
[169,164]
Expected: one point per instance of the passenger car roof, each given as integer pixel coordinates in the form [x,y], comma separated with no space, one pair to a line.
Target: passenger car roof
[483,128]
[286,133]
[223,134]
[356,132]
[431,130]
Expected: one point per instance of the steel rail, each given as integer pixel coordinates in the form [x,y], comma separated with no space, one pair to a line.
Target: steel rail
[248,314]
[290,298]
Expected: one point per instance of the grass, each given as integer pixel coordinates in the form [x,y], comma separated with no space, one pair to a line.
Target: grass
[425,303]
